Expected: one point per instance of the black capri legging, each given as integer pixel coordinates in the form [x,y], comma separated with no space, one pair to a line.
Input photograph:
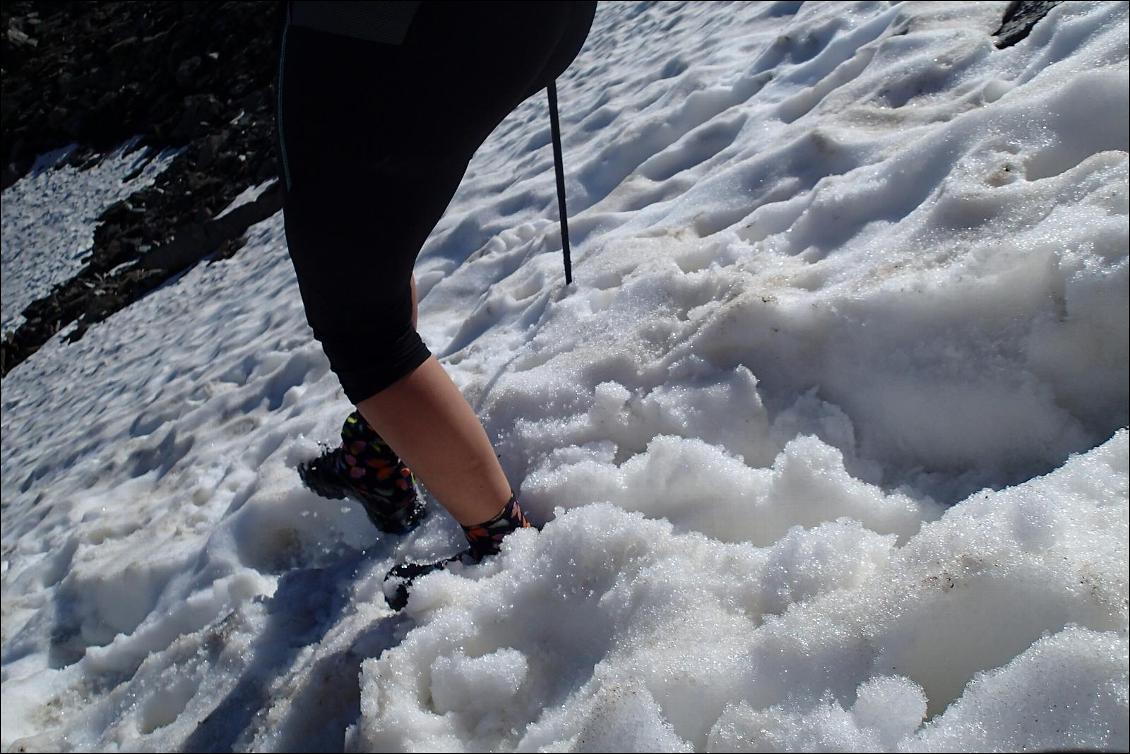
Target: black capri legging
[374,139]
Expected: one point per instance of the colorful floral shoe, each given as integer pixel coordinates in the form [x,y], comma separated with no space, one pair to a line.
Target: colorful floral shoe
[364,468]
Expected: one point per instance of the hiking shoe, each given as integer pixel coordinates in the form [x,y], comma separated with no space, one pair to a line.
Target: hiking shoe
[485,539]
[364,468]
[398,581]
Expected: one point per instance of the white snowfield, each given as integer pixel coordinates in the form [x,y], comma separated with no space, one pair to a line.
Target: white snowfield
[828,437]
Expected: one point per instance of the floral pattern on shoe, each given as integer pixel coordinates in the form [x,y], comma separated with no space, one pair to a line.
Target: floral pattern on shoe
[486,538]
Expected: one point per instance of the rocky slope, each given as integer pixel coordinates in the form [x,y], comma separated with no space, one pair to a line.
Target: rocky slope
[198,77]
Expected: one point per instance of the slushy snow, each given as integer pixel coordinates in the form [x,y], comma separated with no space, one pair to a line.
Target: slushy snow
[828,437]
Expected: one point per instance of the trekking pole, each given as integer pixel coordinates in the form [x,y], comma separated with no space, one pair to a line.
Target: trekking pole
[559,168]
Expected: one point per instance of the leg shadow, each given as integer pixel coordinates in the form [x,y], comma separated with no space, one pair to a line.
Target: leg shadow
[306,604]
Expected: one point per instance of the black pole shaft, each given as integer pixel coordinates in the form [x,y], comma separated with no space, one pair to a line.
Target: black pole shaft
[559,168]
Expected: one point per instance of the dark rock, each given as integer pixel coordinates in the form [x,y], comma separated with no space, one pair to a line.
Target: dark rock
[1019,18]
[186,72]
[123,51]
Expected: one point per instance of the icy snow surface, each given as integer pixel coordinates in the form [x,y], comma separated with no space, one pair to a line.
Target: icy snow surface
[828,437]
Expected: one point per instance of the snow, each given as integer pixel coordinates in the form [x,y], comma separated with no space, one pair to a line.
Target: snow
[247,196]
[828,437]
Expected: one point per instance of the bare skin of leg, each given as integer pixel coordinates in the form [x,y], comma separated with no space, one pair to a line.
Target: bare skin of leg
[427,421]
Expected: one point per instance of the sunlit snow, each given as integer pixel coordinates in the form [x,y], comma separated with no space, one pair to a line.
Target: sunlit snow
[828,437]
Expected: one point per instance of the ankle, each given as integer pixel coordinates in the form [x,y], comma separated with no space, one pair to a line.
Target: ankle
[365,454]
[357,429]
[486,538]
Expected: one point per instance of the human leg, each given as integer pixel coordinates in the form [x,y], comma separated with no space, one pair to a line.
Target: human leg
[367,180]
[427,420]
